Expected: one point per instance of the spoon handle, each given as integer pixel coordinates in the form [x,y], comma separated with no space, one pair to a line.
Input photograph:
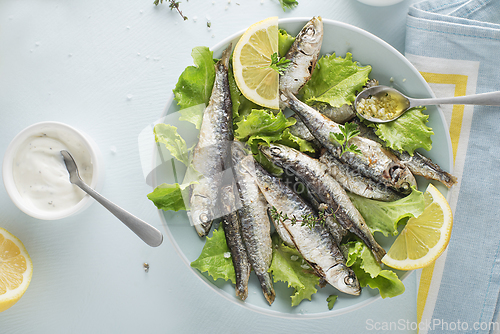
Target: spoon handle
[484,99]
[146,232]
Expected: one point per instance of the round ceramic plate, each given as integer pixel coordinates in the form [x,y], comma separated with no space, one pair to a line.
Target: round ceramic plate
[391,69]
[380,3]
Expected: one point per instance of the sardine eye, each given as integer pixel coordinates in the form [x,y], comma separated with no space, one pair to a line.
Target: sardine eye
[275,150]
[242,169]
[204,218]
[348,280]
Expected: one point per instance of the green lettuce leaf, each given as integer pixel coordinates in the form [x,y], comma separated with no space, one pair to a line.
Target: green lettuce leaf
[285,41]
[193,115]
[295,142]
[234,91]
[383,217]
[196,82]
[288,266]
[261,126]
[369,272]
[213,258]
[335,81]
[167,135]
[168,197]
[408,132]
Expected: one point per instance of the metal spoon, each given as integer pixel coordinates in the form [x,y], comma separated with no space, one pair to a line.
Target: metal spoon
[404,102]
[146,232]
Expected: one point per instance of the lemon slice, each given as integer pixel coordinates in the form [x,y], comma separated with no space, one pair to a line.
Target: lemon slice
[251,60]
[424,238]
[15,269]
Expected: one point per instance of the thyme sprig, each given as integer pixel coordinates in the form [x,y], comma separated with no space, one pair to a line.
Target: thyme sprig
[350,130]
[309,219]
[172,5]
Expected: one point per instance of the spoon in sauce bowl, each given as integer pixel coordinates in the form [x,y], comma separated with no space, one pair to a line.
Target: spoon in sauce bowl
[382,104]
[146,232]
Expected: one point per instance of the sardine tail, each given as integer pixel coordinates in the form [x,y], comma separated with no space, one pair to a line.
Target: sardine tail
[378,252]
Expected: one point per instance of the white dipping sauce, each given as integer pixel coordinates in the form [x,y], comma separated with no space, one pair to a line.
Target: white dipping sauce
[40,174]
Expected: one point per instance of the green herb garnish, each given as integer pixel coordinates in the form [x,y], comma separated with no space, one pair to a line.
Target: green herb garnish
[172,5]
[350,130]
[288,4]
[331,300]
[309,220]
[279,64]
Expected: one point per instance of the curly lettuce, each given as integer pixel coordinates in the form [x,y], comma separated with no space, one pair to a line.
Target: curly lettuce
[214,258]
[335,81]
[196,82]
[289,266]
[369,272]
[384,217]
[408,133]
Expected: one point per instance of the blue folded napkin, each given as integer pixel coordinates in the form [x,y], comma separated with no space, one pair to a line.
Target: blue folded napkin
[455,44]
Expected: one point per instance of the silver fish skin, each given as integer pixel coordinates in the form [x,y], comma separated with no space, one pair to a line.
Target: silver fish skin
[232,230]
[356,183]
[314,244]
[211,152]
[303,55]
[418,164]
[254,219]
[315,175]
[374,161]
[423,166]
[336,230]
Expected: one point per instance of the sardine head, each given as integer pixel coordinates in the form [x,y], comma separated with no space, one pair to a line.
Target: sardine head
[344,279]
[272,152]
[311,36]
[281,155]
[403,179]
[200,214]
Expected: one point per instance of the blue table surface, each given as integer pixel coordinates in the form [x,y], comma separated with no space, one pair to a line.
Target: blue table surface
[107,68]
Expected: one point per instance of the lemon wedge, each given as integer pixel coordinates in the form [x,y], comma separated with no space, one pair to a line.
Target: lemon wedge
[16,269]
[424,238]
[251,59]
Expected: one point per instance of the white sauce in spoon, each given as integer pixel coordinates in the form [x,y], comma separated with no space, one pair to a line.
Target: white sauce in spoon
[40,174]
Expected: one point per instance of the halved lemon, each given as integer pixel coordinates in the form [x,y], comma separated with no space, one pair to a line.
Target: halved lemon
[251,59]
[424,238]
[16,269]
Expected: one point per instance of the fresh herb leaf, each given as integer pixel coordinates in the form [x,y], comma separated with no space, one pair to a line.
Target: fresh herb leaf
[288,4]
[348,131]
[279,64]
[309,220]
[172,5]
[331,299]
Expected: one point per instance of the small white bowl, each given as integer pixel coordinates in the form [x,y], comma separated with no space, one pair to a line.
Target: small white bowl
[39,129]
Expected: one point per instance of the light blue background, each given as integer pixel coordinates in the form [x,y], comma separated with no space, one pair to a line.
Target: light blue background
[108,68]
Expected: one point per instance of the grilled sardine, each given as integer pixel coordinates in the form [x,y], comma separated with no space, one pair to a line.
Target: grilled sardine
[211,152]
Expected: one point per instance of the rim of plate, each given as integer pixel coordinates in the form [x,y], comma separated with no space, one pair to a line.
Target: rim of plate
[258,309]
